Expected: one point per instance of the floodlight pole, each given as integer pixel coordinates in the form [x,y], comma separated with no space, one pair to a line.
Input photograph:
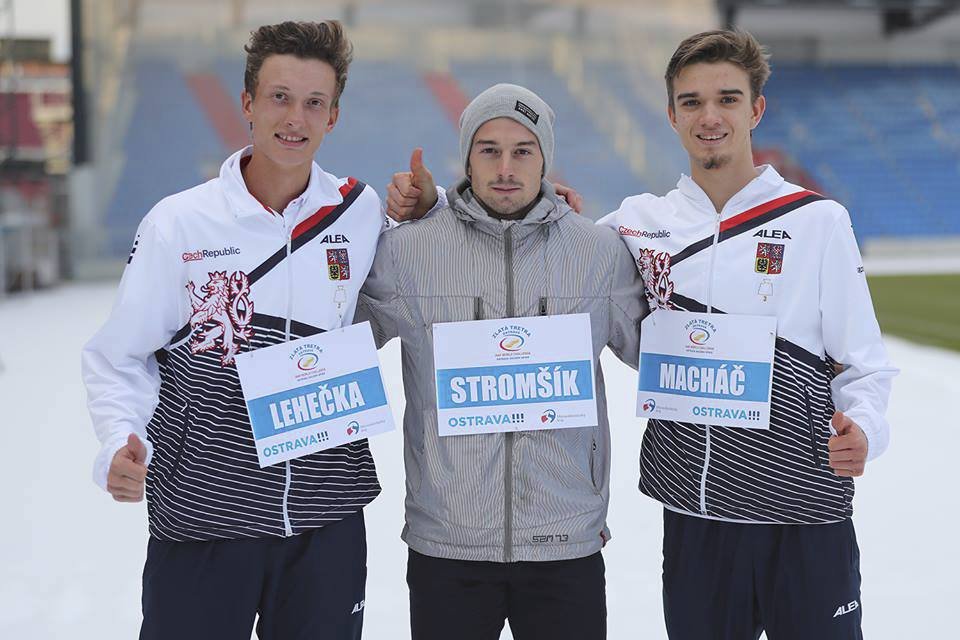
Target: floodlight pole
[9,61]
[81,138]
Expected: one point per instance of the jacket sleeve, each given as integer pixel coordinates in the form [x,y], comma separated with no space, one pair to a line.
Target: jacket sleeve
[628,307]
[390,223]
[851,336]
[609,220]
[118,364]
[378,300]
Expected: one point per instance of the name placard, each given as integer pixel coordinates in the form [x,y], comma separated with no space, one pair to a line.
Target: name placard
[706,368]
[514,374]
[314,393]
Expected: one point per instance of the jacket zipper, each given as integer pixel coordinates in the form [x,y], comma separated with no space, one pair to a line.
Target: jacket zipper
[508,437]
[706,455]
[288,479]
[813,432]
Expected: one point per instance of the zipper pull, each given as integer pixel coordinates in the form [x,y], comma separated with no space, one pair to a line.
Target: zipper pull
[543,306]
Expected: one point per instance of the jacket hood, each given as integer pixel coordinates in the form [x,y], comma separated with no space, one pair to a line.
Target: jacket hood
[465,206]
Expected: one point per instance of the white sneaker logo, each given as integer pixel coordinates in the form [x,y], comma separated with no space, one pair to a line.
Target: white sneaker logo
[844,609]
[358,607]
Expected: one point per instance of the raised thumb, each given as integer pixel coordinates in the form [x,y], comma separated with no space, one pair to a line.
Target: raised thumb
[840,423]
[137,448]
[416,166]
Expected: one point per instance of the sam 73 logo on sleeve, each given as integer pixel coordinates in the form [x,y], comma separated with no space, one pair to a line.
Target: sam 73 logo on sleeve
[313,394]
[521,383]
[714,369]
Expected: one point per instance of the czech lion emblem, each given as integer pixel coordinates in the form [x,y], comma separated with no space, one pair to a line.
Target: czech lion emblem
[655,272]
[227,306]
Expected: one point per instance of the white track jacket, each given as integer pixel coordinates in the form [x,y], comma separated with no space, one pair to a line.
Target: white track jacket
[774,250]
[214,273]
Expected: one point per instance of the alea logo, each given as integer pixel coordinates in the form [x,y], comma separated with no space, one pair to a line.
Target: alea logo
[353,427]
[548,416]
[699,336]
[308,361]
[649,405]
[511,342]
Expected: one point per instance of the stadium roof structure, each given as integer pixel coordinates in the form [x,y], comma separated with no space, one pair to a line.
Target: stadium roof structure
[920,5]
[898,15]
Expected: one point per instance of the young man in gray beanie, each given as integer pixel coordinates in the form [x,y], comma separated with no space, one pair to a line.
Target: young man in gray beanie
[503,526]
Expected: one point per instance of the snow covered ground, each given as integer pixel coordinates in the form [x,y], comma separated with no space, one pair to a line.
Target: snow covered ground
[71,557]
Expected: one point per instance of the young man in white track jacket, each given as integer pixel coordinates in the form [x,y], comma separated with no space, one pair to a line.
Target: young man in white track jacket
[757,523]
[271,250]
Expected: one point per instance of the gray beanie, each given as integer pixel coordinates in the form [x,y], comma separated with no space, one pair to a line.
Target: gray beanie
[516,103]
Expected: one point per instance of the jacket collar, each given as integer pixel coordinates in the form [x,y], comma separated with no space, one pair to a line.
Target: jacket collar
[466,207]
[322,190]
[760,189]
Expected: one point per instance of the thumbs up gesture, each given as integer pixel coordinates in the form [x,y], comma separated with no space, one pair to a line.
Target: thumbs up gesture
[128,471]
[848,449]
[411,193]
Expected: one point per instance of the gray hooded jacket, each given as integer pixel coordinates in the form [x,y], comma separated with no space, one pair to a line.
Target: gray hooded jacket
[531,495]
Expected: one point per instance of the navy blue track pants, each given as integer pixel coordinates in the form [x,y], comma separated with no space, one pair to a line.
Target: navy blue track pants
[731,581]
[307,586]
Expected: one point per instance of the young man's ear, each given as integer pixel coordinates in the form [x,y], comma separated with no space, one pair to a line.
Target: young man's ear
[759,108]
[246,106]
[672,116]
[334,115]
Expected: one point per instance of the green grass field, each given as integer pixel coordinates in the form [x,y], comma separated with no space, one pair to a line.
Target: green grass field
[922,308]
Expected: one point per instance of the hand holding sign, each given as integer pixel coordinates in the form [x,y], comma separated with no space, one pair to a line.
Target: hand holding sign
[848,449]
[127,471]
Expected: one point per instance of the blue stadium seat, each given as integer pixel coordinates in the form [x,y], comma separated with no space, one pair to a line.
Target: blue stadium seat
[168,147]
[884,141]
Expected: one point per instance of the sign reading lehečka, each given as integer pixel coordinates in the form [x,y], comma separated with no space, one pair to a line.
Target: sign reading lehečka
[314,393]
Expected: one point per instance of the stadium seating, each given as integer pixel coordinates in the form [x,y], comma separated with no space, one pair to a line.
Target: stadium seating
[168,148]
[883,141]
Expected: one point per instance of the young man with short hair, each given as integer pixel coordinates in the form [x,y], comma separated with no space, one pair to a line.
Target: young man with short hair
[271,250]
[503,526]
[757,522]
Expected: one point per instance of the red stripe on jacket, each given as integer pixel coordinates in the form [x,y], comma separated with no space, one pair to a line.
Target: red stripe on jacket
[323,212]
[766,207]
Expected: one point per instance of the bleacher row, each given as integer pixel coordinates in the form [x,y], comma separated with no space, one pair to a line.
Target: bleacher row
[883,141]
